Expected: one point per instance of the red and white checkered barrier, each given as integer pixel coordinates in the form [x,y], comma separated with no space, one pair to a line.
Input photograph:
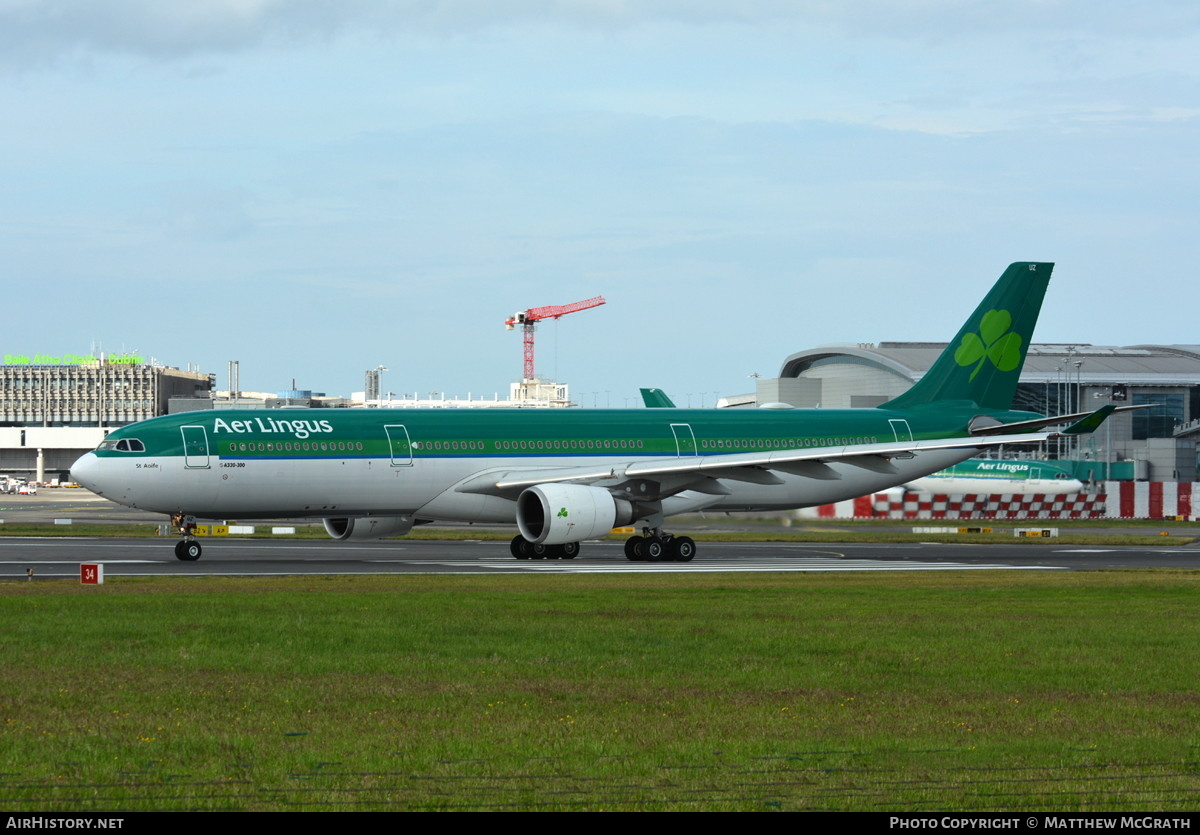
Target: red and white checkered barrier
[1152,499]
[990,506]
[1121,500]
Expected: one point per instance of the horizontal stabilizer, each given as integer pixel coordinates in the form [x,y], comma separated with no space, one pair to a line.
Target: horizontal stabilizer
[1055,420]
[1090,423]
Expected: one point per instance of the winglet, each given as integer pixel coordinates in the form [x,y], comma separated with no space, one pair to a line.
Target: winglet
[1091,423]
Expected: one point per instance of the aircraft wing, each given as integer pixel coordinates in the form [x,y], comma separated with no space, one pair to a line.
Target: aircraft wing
[1080,419]
[701,471]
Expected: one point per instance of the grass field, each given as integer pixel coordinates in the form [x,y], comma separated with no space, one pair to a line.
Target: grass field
[946,691]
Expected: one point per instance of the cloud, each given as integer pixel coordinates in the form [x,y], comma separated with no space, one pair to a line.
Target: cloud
[41,31]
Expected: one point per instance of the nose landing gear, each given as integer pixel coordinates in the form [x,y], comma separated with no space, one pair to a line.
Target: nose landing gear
[187,549]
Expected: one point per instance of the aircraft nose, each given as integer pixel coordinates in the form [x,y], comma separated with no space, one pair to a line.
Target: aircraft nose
[84,472]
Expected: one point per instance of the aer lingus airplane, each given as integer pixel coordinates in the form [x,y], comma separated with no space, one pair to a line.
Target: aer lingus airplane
[566,475]
[999,475]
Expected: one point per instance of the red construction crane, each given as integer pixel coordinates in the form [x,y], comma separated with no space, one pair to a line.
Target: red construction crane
[527,318]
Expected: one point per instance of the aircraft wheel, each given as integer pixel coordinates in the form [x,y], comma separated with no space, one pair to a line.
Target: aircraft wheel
[653,549]
[633,548]
[521,548]
[555,552]
[570,550]
[187,550]
[683,549]
[539,552]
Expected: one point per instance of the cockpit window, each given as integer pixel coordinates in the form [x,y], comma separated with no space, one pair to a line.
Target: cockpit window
[123,445]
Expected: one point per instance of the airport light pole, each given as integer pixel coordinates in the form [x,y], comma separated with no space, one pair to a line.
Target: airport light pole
[1078,397]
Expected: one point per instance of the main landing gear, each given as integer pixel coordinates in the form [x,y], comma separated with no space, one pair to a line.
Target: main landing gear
[187,549]
[660,547]
[655,546]
[523,549]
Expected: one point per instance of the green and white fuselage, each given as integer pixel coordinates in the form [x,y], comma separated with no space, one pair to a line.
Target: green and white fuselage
[565,475]
[409,462]
[999,475]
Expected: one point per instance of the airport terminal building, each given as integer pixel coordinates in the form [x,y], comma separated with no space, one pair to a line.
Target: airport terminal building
[1161,441]
[53,412]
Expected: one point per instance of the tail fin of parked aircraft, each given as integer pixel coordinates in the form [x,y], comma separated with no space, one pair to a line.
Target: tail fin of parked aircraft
[983,363]
[656,399]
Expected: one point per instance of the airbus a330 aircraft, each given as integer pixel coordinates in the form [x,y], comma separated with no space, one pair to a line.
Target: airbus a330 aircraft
[567,475]
[999,475]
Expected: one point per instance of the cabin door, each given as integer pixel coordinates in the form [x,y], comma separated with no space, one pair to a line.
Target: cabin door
[685,441]
[900,430]
[399,445]
[195,447]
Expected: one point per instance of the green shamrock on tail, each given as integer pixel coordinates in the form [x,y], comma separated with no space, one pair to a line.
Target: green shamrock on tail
[994,341]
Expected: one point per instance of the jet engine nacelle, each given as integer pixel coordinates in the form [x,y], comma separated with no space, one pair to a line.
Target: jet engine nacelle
[553,514]
[367,527]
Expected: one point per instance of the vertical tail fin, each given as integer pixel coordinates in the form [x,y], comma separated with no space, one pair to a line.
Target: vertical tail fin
[983,363]
[656,399]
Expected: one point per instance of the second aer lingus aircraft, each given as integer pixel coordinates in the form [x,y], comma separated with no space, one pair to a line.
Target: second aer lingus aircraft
[567,475]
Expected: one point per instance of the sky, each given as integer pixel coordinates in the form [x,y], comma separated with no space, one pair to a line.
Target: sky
[319,187]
